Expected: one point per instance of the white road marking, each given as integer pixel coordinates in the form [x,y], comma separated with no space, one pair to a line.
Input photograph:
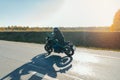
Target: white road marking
[45,77]
[37,74]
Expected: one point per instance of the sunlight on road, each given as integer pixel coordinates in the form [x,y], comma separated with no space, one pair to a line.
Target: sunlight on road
[82,70]
[85,57]
[82,61]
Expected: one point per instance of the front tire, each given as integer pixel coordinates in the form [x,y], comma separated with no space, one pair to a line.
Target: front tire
[48,48]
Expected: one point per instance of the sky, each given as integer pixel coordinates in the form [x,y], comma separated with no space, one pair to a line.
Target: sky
[67,13]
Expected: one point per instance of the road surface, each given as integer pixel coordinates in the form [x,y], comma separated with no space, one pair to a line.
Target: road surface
[28,61]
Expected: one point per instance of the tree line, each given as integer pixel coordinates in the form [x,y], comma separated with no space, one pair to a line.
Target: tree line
[27,28]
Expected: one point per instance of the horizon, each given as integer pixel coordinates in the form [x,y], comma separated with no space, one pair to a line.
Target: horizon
[54,13]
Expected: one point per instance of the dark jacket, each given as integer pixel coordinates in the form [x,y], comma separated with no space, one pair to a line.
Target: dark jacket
[58,35]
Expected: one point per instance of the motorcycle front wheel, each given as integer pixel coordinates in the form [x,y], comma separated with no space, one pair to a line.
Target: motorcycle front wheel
[48,48]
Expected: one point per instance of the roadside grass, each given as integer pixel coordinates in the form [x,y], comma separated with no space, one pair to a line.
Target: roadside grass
[94,40]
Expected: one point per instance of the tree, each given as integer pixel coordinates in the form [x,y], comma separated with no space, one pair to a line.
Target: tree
[116,22]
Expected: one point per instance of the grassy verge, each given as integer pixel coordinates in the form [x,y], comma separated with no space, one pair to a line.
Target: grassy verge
[96,40]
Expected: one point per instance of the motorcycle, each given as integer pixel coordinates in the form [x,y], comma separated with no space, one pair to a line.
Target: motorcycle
[52,45]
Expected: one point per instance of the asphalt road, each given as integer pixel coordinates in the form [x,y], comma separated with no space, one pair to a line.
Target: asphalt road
[28,61]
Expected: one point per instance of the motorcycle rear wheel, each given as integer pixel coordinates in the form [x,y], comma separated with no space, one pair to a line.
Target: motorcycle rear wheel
[69,51]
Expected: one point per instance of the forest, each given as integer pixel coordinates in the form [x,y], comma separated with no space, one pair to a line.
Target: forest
[44,29]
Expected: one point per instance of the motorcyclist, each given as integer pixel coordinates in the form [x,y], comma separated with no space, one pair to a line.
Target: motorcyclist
[55,43]
[58,36]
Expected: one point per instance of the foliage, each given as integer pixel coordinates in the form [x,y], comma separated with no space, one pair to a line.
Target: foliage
[109,40]
[116,22]
[44,29]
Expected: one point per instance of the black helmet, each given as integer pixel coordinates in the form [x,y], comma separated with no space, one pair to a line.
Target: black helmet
[55,29]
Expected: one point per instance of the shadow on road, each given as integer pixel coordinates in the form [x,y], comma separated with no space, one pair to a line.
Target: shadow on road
[40,66]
